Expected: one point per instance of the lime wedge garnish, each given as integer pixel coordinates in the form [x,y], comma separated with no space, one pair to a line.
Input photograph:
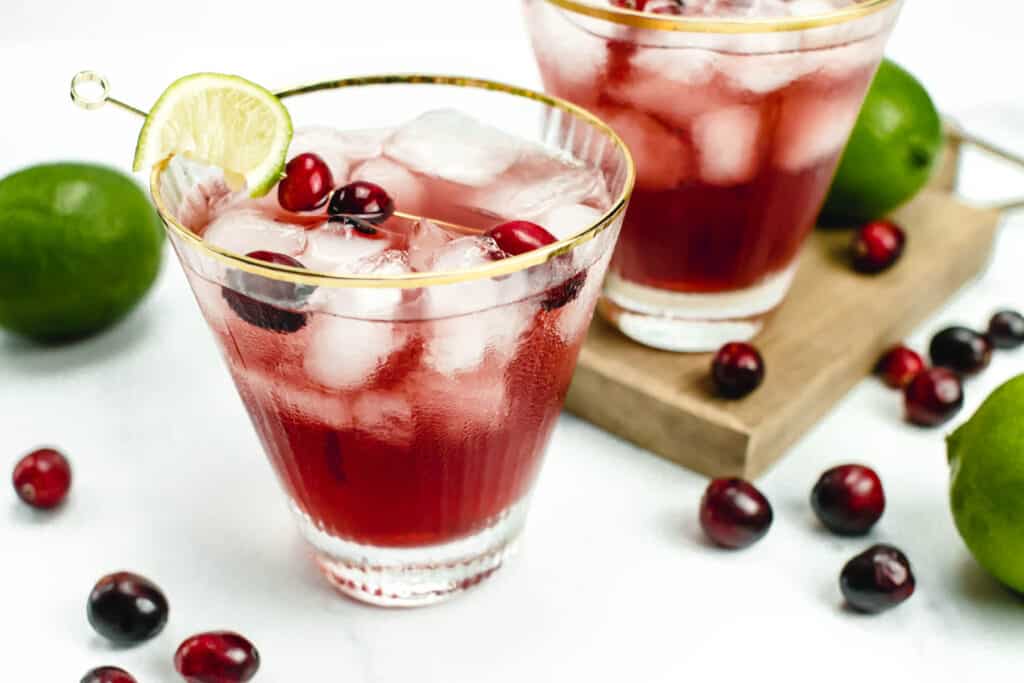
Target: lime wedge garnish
[220,120]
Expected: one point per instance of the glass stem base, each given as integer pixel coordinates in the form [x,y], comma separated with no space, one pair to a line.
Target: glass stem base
[417,576]
[677,321]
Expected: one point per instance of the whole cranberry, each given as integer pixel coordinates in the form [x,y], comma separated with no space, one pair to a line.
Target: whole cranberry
[519,237]
[933,397]
[849,499]
[671,7]
[264,315]
[364,200]
[961,349]
[217,657]
[877,245]
[899,366]
[652,6]
[734,514]
[108,674]
[737,369]
[126,608]
[306,184]
[565,293]
[1006,329]
[42,478]
[876,580]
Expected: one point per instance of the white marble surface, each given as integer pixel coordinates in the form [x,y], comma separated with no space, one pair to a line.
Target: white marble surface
[614,582]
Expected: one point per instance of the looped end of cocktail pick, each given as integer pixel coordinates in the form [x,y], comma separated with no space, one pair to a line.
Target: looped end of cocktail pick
[90,90]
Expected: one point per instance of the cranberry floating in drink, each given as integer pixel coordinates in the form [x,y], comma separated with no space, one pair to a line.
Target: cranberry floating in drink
[405,381]
[736,113]
[306,184]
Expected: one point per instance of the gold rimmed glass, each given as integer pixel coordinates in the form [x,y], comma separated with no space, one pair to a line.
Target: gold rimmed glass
[710,24]
[736,125]
[406,415]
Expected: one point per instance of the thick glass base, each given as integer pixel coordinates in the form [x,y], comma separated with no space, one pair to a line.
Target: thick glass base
[413,577]
[675,321]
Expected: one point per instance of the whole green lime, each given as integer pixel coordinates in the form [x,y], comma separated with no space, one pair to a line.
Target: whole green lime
[79,246]
[987,491]
[891,153]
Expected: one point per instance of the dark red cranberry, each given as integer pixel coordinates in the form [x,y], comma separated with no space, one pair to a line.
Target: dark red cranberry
[849,499]
[565,293]
[734,514]
[364,200]
[519,237]
[653,6]
[126,608]
[961,349]
[1006,329]
[306,184]
[899,366]
[933,397]
[737,369]
[358,225]
[877,245]
[42,478]
[108,674]
[264,315]
[217,657]
[876,580]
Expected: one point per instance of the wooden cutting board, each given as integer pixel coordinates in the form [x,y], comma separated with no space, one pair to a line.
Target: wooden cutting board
[824,339]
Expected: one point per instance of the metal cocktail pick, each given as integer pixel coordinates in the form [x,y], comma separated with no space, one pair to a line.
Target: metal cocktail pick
[90,90]
[98,83]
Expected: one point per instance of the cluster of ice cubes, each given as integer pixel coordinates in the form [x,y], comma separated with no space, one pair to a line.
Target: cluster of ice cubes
[352,332]
[484,168]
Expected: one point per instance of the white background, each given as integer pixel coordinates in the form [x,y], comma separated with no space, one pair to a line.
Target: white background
[614,582]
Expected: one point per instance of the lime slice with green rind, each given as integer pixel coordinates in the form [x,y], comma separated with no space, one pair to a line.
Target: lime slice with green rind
[220,120]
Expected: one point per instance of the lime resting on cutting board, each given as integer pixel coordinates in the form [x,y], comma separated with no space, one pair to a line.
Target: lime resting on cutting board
[892,151]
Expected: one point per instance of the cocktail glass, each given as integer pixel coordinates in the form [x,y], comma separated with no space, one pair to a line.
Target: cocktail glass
[736,125]
[410,482]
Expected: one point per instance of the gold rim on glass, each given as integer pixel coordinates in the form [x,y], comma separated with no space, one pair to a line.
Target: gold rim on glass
[409,280]
[662,22]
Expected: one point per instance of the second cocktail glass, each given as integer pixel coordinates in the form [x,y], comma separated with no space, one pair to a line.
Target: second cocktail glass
[736,123]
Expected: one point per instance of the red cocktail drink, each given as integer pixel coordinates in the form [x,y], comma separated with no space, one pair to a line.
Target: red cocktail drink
[403,361]
[737,113]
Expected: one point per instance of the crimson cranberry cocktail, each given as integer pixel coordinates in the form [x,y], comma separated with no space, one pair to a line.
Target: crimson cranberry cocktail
[736,112]
[402,315]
